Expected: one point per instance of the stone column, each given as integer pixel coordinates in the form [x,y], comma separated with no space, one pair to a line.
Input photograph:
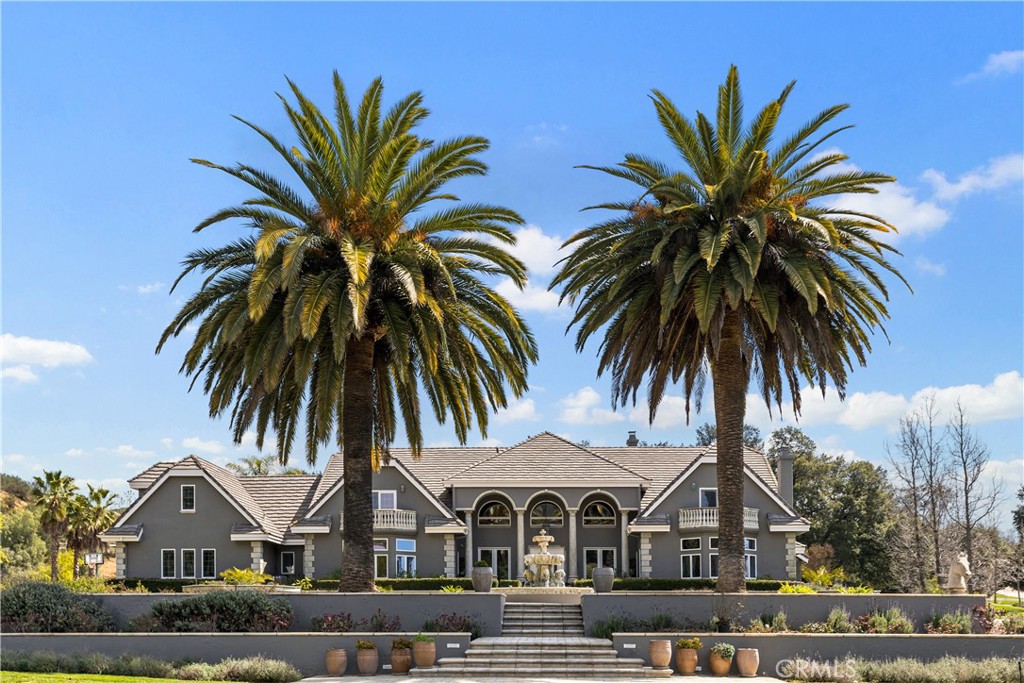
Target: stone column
[573,563]
[520,545]
[307,557]
[256,556]
[791,557]
[645,554]
[469,543]
[624,557]
[120,561]
[449,555]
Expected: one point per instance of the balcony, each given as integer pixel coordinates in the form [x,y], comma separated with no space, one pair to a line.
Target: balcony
[390,521]
[691,519]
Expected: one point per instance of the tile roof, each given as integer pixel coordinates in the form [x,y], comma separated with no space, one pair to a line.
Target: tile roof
[437,464]
[284,499]
[660,465]
[143,480]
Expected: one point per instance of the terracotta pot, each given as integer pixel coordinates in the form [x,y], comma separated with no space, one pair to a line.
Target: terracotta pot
[337,661]
[719,666]
[482,578]
[423,653]
[660,653]
[367,661]
[686,661]
[401,660]
[603,577]
[747,660]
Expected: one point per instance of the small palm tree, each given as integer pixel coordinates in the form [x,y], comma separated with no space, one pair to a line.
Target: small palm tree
[54,494]
[350,299]
[737,265]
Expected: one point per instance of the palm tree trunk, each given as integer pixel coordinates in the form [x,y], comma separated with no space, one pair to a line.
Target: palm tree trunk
[729,374]
[357,431]
[54,551]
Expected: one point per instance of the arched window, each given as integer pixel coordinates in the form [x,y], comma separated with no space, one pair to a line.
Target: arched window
[546,514]
[598,513]
[494,514]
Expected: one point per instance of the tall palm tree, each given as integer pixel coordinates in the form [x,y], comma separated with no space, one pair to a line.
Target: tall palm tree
[54,494]
[737,264]
[350,298]
[97,513]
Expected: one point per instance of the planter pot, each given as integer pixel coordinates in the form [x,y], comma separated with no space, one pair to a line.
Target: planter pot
[367,661]
[337,661]
[660,653]
[423,654]
[719,666]
[747,661]
[482,578]
[401,660]
[603,579]
[686,661]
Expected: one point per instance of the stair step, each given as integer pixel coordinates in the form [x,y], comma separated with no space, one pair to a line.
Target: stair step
[546,672]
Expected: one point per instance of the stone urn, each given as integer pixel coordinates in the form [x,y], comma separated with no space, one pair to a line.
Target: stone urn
[367,661]
[686,661]
[423,653]
[401,660]
[482,579]
[336,661]
[660,653]
[747,660]
[603,577]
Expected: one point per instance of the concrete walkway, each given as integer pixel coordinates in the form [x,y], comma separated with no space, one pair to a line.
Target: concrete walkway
[413,678]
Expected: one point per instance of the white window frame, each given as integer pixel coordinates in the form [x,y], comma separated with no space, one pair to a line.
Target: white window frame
[713,542]
[601,522]
[181,500]
[494,550]
[600,551]
[376,565]
[282,566]
[688,558]
[689,538]
[202,566]
[174,558]
[378,493]
[408,550]
[750,566]
[750,545]
[548,525]
[700,497]
[500,521]
[711,566]
[398,564]
[183,574]
[380,545]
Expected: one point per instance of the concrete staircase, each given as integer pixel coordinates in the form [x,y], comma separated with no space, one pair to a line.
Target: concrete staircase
[543,640]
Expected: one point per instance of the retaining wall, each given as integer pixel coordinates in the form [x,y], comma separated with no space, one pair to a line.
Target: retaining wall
[304,651]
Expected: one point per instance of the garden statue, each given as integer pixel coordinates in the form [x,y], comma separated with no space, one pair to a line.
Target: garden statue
[959,572]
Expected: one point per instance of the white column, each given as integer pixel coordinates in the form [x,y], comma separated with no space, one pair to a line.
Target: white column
[449,555]
[520,544]
[573,564]
[645,554]
[120,561]
[307,557]
[791,557]
[624,556]
[469,543]
[257,556]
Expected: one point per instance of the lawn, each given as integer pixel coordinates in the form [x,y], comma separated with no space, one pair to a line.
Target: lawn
[20,677]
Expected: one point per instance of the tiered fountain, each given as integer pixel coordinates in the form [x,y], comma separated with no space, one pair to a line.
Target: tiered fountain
[542,569]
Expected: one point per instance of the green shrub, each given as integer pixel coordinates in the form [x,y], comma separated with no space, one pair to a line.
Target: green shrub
[431,583]
[950,622]
[815,627]
[453,623]
[604,628]
[769,623]
[342,622]
[150,585]
[945,670]
[787,587]
[689,644]
[636,584]
[724,650]
[36,607]
[245,577]
[838,621]
[255,670]
[892,620]
[1012,623]
[224,611]
[250,669]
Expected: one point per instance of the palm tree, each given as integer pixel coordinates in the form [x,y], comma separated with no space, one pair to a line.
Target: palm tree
[349,298]
[54,496]
[98,513]
[736,265]
[262,466]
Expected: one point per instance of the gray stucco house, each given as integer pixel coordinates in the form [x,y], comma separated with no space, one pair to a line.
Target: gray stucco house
[648,512]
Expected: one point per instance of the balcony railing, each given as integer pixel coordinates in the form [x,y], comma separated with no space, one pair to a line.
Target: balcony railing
[707,518]
[390,520]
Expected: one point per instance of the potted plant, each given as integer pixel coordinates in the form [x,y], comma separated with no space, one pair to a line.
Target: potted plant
[483,576]
[721,658]
[423,650]
[686,655]
[660,653]
[337,661]
[401,655]
[603,577]
[747,661]
[366,657]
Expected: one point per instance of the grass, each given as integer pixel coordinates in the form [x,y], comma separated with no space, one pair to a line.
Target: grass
[20,677]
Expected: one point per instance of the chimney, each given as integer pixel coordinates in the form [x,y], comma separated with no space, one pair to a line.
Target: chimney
[786,474]
[632,440]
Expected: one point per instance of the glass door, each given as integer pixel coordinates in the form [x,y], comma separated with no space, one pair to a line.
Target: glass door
[497,559]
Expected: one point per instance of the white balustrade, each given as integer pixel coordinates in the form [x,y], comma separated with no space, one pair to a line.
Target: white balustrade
[707,518]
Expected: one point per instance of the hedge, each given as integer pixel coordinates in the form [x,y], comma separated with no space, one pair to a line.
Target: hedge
[433,583]
[634,584]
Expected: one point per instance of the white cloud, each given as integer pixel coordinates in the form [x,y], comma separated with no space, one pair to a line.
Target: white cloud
[74,452]
[996,174]
[536,249]
[581,408]
[490,441]
[194,443]
[128,451]
[926,266]
[896,204]
[671,413]
[530,298]
[44,352]
[167,442]
[1003,399]
[151,288]
[523,409]
[19,373]
[1003,63]
[248,441]
[14,458]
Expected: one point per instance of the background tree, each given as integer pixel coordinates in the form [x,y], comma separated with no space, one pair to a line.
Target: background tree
[350,299]
[736,264]
[54,494]
[262,466]
[707,434]
[22,543]
[907,460]
[15,486]
[936,475]
[1018,515]
[792,438]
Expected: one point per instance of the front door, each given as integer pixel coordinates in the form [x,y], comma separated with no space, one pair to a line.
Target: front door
[497,559]
[598,557]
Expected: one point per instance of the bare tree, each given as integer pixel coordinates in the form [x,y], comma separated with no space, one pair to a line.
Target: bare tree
[907,460]
[976,500]
[935,470]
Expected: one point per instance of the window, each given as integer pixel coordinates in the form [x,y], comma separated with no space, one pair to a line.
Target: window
[497,559]
[209,563]
[380,545]
[406,566]
[709,498]
[166,564]
[750,545]
[380,566]
[188,498]
[405,545]
[750,566]
[598,557]
[385,500]
[288,562]
[690,566]
[598,513]
[689,544]
[713,542]
[188,564]
[494,514]
[546,514]
[713,562]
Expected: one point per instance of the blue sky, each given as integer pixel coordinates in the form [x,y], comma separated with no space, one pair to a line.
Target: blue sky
[103,105]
